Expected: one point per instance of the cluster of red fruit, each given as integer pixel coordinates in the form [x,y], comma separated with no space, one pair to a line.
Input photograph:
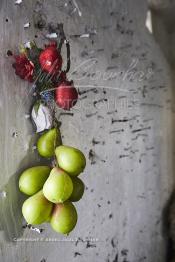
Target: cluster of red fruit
[50,61]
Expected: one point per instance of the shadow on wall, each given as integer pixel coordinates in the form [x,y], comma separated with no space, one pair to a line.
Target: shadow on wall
[162,23]
[169,226]
[11,219]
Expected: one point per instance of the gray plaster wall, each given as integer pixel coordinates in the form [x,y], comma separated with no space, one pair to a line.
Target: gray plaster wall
[123,122]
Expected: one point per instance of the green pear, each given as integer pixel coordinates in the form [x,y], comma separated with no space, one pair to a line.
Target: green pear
[78,189]
[33,179]
[64,218]
[49,218]
[36,209]
[70,159]
[48,142]
[58,187]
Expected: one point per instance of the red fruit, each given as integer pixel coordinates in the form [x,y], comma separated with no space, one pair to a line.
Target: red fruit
[50,59]
[66,95]
[23,67]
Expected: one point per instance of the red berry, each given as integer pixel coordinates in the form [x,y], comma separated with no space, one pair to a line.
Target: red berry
[50,59]
[66,95]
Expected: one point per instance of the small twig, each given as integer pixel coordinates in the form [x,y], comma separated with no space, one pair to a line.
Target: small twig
[68,55]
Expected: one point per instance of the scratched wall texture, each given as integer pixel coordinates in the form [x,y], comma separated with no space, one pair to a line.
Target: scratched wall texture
[123,122]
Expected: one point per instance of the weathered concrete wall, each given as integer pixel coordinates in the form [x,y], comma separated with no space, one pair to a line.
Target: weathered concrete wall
[129,174]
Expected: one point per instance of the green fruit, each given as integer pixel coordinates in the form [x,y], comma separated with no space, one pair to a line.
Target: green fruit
[64,218]
[33,179]
[36,209]
[49,218]
[70,159]
[78,189]
[48,142]
[58,187]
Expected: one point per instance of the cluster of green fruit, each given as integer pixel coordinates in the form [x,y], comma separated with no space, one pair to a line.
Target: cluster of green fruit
[52,191]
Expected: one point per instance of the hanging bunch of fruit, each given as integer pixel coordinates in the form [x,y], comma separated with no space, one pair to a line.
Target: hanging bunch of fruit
[51,190]
[44,68]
